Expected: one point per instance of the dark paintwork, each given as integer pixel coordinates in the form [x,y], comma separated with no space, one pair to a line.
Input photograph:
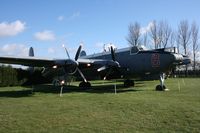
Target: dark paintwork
[129,62]
[141,62]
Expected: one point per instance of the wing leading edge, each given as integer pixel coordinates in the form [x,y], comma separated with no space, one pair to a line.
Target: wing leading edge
[28,61]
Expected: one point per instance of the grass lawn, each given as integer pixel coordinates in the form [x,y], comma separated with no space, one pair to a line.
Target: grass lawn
[138,109]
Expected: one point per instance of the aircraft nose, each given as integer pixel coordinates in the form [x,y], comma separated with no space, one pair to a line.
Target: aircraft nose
[178,58]
[186,60]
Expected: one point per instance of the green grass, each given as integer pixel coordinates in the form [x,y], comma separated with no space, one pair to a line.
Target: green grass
[139,109]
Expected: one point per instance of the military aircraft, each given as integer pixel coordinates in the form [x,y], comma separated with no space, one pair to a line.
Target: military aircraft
[135,62]
[125,63]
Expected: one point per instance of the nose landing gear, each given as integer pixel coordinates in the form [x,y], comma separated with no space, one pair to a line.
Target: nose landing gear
[161,86]
[128,83]
[84,84]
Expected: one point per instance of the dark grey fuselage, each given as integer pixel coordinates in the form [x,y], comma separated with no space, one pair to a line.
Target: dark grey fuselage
[140,63]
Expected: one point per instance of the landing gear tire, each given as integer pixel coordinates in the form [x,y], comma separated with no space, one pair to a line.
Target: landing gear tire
[160,88]
[128,83]
[85,84]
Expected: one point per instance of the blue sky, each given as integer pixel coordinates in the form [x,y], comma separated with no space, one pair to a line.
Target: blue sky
[47,24]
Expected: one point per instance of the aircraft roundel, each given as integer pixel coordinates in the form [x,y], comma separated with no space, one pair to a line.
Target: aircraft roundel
[155,60]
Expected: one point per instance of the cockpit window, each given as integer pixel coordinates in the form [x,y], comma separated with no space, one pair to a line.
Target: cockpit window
[171,49]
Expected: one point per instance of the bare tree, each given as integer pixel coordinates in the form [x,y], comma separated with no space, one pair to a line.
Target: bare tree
[173,39]
[145,39]
[178,42]
[194,35]
[134,34]
[160,33]
[166,33]
[184,35]
[184,38]
[153,33]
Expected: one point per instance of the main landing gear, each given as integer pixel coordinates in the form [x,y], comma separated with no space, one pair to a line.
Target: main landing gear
[128,83]
[161,86]
[85,84]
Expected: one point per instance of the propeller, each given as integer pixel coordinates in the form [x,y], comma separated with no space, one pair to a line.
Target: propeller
[102,68]
[113,54]
[76,58]
[109,67]
[66,51]
[78,53]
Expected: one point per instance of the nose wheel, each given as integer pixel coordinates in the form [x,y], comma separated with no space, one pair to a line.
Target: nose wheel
[129,83]
[84,84]
[161,86]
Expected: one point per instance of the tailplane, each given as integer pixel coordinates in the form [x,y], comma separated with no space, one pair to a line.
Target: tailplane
[31,54]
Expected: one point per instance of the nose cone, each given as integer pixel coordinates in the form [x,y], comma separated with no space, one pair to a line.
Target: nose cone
[180,59]
[186,60]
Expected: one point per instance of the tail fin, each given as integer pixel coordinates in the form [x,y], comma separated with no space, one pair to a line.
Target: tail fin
[83,53]
[31,54]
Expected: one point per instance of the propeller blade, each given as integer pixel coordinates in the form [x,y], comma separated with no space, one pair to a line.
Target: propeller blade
[78,53]
[102,68]
[82,75]
[107,74]
[113,54]
[66,51]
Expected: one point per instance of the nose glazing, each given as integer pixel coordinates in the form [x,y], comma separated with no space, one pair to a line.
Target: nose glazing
[181,59]
[177,58]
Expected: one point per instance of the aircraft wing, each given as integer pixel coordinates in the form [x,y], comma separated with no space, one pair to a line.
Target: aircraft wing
[28,61]
[105,68]
[42,62]
[99,64]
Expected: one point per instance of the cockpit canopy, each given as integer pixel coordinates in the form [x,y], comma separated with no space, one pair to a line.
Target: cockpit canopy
[136,49]
[171,49]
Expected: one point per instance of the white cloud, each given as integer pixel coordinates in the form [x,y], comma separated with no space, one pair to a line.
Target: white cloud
[61,18]
[70,17]
[45,36]
[14,49]
[11,29]
[147,28]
